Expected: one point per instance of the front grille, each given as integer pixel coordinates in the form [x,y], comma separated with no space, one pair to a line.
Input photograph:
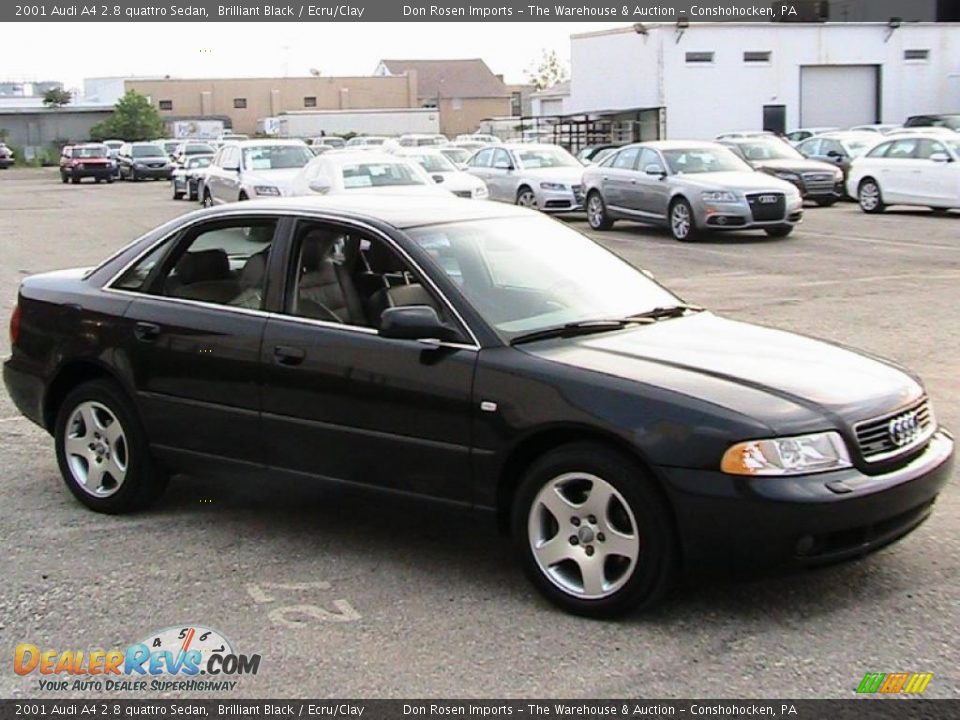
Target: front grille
[578,193]
[895,433]
[155,165]
[817,182]
[463,193]
[773,209]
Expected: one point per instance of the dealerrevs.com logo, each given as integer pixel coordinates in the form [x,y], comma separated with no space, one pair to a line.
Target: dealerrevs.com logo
[185,658]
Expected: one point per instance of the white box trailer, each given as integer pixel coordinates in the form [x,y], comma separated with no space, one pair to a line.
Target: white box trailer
[308,124]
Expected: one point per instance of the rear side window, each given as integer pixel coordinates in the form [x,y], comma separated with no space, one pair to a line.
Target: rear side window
[901,150]
[627,159]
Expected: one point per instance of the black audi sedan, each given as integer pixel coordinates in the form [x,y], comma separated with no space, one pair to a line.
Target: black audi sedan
[480,354]
[817,181]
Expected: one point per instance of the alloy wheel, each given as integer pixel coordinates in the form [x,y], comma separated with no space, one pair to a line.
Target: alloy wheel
[96,449]
[595,211]
[680,220]
[869,196]
[583,535]
[527,199]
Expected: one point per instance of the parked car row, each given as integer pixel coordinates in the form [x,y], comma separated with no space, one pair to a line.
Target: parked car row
[6,157]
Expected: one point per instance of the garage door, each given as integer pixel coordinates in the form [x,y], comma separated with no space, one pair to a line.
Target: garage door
[838,95]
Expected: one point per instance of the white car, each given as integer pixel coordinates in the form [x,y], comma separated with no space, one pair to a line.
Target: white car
[881,128]
[534,175]
[738,134]
[917,169]
[800,134]
[342,171]
[457,155]
[422,140]
[483,138]
[362,140]
[253,168]
[438,166]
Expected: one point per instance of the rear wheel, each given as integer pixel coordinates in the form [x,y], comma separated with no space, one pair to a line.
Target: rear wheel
[869,196]
[593,532]
[207,199]
[75,180]
[526,198]
[102,450]
[242,196]
[63,178]
[779,230]
[597,214]
[683,227]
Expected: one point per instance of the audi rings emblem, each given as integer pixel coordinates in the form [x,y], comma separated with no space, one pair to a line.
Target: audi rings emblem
[904,429]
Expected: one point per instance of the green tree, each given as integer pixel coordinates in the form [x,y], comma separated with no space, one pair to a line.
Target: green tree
[548,71]
[57,97]
[133,119]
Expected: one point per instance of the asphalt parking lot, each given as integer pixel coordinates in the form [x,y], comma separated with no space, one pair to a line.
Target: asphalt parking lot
[349,594]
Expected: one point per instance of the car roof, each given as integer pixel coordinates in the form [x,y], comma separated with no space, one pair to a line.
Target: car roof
[680,144]
[743,140]
[342,157]
[265,141]
[395,210]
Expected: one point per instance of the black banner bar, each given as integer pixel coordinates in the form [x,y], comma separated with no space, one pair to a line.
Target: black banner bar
[465,11]
[862,708]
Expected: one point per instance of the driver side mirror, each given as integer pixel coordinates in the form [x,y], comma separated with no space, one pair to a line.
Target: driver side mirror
[834,155]
[416,322]
[940,157]
[502,165]
[438,178]
[654,169]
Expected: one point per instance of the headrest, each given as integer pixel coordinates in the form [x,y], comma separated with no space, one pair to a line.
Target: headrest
[203,266]
[254,270]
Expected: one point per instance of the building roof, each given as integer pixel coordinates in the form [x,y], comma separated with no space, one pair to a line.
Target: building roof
[560,89]
[468,78]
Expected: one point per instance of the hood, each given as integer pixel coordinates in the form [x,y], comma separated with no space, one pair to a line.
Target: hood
[282,177]
[454,181]
[568,175]
[744,359]
[736,180]
[795,165]
[403,190]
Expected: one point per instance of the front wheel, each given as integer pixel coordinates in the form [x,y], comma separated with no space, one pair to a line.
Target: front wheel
[868,194]
[102,450]
[597,214]
[207,199]
[683,226]
[526,198]
[176,194]
[593,533]
[779,230]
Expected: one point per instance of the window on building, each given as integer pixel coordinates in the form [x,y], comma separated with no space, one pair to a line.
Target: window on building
[457,103]
[757,56]
[916,54]
[700,57]
[310,101]
[240,103]
[166,104]
[432,103]
[516,104]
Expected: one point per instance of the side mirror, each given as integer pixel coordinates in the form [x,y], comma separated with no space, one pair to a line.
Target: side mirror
[940,157]
[654,170]
[415,322]
[438,178]
[834,155]
[501,165]
[320,185]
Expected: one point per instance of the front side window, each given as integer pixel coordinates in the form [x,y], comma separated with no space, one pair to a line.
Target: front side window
[927,148]
[224,263]
[482,158]
[902,150]
[650,159]
[134,278]
[528,274]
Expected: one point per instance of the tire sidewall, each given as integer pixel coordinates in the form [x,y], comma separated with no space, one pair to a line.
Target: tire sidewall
[655,569]
[142,480]
[692,232]
[879,206]
[604,222]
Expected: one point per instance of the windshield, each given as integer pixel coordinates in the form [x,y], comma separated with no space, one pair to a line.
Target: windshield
[532,273]
[692,161]
[91,151]
[147,151]
[276,157]
[457,155]
[199,162]
[768,150]
[379,174]
[434,163]
[547,158]
[198,149]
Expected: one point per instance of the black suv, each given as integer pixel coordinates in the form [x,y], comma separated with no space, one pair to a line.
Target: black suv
[950,120]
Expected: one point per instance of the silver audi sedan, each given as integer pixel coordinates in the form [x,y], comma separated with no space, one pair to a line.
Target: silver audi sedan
[689,187]
[534,175]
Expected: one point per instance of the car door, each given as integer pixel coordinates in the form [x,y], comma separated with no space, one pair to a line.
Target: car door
[616,179]
[228,179]
[192,339]
[652,179]
[900,171]
[344,403]
[937,179]
[502,176]
[479,166]
[124,160]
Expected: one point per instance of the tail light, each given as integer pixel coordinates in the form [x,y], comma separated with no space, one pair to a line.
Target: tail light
[15,325]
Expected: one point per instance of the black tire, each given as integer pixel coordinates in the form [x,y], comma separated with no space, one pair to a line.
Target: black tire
[642,584]
[939,211]
[207,199]
[526,197]
[110,180]
[133,177]
[177,195]
[75,180]
[865,196]
[192,195]
[242,197]
[692,233]
[779,231]
[144,481]
[98,180]
[826,202]
[63,178]
[598,217]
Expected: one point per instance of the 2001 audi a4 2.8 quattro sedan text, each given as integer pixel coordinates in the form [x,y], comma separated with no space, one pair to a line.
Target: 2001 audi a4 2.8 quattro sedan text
[499,359]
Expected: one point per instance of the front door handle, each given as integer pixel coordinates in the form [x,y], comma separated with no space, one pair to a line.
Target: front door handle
[288,355]
[146,332]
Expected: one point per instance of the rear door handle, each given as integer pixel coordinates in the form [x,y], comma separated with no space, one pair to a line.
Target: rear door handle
[146,332]
[288,355]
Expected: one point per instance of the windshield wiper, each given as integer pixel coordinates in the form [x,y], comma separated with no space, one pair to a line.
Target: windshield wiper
[581,327]
[667,311]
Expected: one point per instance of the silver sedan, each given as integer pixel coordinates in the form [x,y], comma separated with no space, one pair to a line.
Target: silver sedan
[534,175]
[689,187]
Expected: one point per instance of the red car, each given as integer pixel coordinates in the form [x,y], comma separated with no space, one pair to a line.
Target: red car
[89,160]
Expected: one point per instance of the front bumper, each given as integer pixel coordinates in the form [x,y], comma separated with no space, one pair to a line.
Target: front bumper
[740,216]
[569,199]
[26,390]
[99,171]
[155,173]
[729,523]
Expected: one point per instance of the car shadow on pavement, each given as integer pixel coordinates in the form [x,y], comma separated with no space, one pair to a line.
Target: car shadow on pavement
[397,533]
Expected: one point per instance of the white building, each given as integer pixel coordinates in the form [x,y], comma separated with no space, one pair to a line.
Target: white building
[698,81]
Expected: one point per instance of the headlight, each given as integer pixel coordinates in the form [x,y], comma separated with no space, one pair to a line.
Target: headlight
[787,456]
[481,192]
[266,190]
[788,176]
[719,196]
[138,165]
[552,186]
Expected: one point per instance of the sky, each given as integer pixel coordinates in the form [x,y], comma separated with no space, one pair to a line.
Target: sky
[70,52]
